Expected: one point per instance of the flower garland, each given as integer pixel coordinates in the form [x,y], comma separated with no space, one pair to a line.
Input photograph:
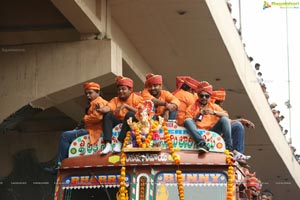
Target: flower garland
[176,160]
[123,192]
[170,144]
[180,184]
[231,177]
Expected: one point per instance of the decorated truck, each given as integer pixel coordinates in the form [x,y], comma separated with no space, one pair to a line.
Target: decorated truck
[171,170]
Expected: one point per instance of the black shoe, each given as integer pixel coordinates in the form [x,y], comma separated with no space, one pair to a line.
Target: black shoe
[202,148]
[51,170]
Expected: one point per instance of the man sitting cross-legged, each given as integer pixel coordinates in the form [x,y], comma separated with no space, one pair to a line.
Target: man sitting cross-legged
[119,110]
[165,103]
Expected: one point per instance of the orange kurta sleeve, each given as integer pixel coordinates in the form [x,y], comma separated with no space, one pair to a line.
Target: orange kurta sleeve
[192,110]
[166,97]
[186,99]
[133,100]
[170,98]
[146,95]
[113,104]
[93,120]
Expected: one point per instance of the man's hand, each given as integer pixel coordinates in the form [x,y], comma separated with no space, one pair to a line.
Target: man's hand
[166,115]
[207,112]
[118,109]
[97,108]
[171,107]
[157,102]
[247,123]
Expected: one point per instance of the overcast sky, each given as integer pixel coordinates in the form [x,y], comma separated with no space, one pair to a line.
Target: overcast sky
[272,38]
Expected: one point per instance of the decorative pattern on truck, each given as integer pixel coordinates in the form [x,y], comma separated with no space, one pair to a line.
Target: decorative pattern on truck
[200,186]
[178,134]
[93,181]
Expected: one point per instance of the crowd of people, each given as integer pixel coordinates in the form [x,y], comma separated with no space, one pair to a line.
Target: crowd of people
[278,116]
[194,105]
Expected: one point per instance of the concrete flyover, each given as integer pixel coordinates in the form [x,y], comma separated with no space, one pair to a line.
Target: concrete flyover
[46,57]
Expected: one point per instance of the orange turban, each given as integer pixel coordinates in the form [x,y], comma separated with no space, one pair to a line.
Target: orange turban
[120,80]
[153,79]
[254,182]
[91,86]
[192,83]
[205,86]
[180,81]
[219,94]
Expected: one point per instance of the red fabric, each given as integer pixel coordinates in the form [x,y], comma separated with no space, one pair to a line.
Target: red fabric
[120,80]
[192,83]
[153,79]
[91,86]
[253,182]
[219,94]
[204,86]
[180,81]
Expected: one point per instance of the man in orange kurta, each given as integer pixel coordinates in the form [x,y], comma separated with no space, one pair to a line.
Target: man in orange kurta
[91,124]
[165,103]
[204,114]
[237,126]
[119,110]
[186,86]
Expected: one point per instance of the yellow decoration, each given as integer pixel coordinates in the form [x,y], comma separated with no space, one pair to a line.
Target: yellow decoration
[231,176]
[114,159]
[123,192]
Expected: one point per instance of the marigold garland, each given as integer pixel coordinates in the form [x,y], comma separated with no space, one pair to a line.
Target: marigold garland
[180,184]
[231,177]
[176,160]
[123,192]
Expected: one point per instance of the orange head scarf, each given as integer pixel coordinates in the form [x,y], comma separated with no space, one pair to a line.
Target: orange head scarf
[254,182]
[219,94]
[91,86]
[180,81]
[204,86]
[153,79]
[192,83]
[120,80]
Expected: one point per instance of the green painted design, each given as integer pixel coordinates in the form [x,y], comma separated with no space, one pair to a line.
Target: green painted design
[133,184]
[89,149]
[81,150]
[73,151]
[151,184]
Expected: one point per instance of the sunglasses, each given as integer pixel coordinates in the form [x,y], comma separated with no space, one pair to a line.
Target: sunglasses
[204,95]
